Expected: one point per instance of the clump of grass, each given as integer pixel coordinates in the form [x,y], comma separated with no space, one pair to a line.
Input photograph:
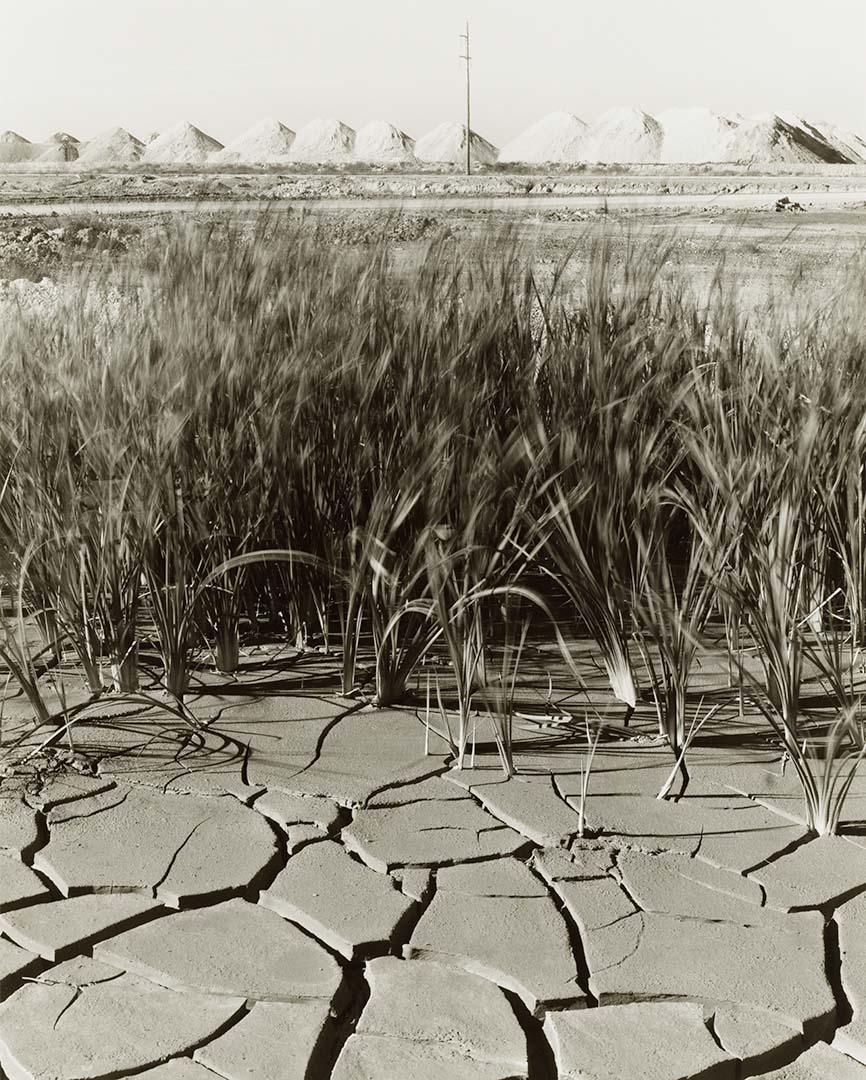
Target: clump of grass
[271,433]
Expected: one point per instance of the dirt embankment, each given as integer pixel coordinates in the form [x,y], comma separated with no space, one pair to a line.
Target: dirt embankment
[19,184]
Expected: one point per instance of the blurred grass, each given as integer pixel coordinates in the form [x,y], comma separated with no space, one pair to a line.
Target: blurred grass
[432,448]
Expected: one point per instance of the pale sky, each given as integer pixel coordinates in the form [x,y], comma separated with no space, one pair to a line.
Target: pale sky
[87,65]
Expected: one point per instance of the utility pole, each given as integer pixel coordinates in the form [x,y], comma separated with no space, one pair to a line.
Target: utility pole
[466,56]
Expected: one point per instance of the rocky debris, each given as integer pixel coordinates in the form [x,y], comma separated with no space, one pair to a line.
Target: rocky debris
[267,142]
[814,875]
[351,908]
[819,1062]
[274,1041]
[106,1029]
[556,138]
[18,884]
[531,806]
[674,885]
[268,958]
[664,1040]
[759,1039]
[182,846]
[429,833]
[446,144]
[363,753]
[851,920]
[694,135]
[181,144]
[113,147]
[19,830]
[381,143]
[62,928]
[519,942]
[455,1016]
[784,205]
[625,136]
[287,810]
[323,140]
[14,963]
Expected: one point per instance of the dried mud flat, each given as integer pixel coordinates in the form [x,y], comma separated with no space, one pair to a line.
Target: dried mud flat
[299,891]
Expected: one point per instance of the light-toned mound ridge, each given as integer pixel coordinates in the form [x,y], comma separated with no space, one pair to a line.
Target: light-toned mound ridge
[61,137]
[826,133]
[769,139]
[323,140]
[557,137]
[626,136]
[694,135]
[59,151]
[117,145]
[849,142]
[267,141]
[183,143]
[446,144]
[381,142]
[14,147]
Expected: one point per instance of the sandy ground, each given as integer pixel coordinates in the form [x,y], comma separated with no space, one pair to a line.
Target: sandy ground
[713,213]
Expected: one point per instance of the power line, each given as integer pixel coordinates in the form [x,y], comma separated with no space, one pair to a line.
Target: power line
[467,57]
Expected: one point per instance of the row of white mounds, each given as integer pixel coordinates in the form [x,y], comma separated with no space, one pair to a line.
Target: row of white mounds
[683,136]
[623,136]
[322,141]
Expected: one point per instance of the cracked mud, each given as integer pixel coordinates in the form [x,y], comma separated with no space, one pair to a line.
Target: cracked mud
[303,893]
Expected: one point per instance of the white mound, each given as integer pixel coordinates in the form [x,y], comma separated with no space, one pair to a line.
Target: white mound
[694,135]
[824,133]
[152,137]
[58,151]
[266,141]
[324,140]
[557,137]
[446,144]
[116,145]
[183,144]
[14,147]
[768,139]
[849,142]
[626,136]
[61,137]
[381,142]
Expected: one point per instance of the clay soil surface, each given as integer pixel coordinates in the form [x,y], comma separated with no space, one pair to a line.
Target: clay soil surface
[293,888]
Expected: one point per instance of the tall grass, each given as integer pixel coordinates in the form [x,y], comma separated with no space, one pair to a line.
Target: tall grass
[271,432]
